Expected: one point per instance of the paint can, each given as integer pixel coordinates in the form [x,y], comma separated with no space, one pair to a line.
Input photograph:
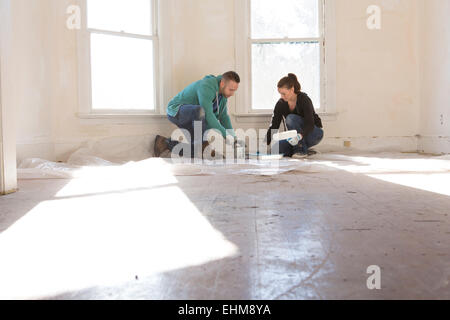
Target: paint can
[240,152]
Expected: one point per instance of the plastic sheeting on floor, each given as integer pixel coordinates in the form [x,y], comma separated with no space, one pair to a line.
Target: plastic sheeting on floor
[42,169]
[121,157]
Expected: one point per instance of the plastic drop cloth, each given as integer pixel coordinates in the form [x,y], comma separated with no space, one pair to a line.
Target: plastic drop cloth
[132,156]
[43,169]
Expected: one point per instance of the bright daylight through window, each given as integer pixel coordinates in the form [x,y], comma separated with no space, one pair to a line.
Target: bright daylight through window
[122,41]
[286,37]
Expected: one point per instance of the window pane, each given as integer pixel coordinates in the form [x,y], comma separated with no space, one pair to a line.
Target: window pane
[131,16]
[122,73]
[284,18]
[271,62]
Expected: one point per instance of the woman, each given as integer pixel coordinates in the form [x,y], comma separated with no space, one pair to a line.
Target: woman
[298,111]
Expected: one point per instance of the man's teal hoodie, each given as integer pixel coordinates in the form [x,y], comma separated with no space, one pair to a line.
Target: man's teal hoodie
[204,93]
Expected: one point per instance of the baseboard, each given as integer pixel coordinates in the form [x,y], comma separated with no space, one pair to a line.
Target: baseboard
[37,149]
[369,144]
[5,193]
[434,144]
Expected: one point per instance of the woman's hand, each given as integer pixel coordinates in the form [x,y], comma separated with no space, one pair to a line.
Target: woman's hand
[296,140]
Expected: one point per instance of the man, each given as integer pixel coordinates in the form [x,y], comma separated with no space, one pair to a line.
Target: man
[204,102]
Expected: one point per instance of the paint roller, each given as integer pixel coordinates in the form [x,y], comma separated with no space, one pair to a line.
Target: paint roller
[293,137]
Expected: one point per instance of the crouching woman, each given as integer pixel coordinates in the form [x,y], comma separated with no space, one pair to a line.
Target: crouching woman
[296,108]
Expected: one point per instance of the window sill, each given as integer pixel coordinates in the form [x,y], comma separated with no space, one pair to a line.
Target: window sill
[118,118]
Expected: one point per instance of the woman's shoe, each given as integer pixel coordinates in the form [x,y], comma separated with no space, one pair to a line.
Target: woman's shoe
[299,155]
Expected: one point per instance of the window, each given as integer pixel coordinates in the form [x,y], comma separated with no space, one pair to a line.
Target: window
[275,38]
[118,54]
[285,37]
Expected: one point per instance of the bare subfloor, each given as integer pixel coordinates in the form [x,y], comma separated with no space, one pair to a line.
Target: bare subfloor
[208,232]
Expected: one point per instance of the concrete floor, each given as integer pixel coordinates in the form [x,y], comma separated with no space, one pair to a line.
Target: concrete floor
[308,233]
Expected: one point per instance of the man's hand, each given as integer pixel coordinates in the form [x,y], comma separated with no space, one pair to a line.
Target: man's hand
[230,140]
[240,143]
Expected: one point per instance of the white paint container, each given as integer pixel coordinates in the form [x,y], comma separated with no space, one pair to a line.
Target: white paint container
[240,152]
[291,136]
[285,135]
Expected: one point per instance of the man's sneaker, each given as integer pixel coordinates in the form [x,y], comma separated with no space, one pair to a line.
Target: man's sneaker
[312,152]
[161,145]
[299,155]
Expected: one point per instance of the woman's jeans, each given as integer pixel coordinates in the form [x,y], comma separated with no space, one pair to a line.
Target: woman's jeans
[295,122]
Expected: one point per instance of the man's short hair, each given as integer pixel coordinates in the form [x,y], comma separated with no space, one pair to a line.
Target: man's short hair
[231,75]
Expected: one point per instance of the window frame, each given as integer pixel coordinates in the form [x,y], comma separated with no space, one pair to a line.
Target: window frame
[85,109]
[327,42]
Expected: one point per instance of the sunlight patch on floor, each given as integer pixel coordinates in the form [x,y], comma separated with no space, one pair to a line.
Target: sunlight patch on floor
[78,242]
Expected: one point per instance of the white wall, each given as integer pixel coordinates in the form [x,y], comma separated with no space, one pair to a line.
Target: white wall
[378,93]
[8,172]
[377,80]
[31,77]
[435,76]
[203,39]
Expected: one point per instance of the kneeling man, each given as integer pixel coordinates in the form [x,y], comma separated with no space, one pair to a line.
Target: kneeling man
[204,102]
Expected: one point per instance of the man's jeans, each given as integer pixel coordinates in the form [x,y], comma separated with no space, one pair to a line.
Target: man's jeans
[184,119]
[295,122]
